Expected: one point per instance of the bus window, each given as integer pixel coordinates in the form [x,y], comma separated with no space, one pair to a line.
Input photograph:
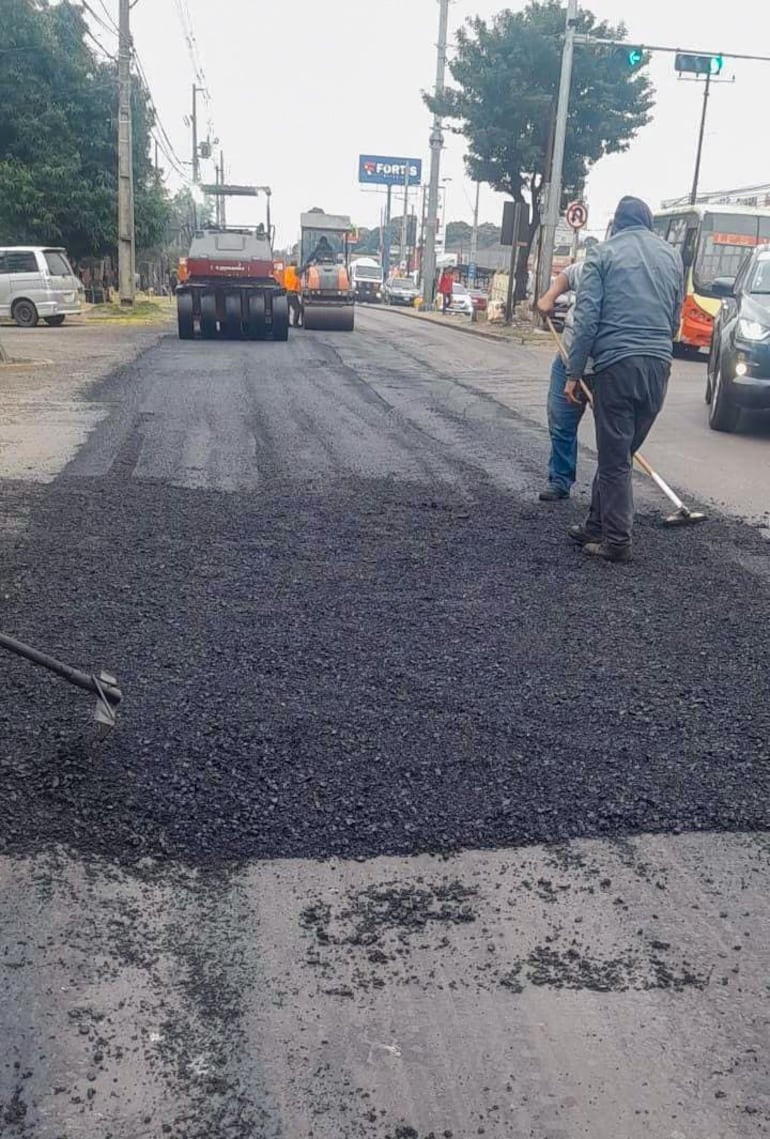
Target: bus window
[725,241]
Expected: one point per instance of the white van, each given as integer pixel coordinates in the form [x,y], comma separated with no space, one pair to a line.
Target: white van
[37,281]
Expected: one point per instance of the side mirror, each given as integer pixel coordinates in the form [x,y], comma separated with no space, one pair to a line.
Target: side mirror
[723,287]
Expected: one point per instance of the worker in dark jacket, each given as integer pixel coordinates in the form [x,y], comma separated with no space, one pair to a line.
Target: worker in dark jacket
[626,316]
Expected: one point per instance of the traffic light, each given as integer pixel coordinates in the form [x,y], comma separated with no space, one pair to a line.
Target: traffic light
[635,57]
[699,64]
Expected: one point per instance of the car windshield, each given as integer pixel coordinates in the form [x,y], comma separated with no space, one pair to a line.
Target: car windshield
[460,290]
[760,281]
[401,283]
[368,272]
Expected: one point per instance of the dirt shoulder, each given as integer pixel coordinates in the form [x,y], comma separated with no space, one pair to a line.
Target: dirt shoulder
[43,415]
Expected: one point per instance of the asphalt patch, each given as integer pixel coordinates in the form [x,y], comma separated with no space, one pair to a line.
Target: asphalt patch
[370,668]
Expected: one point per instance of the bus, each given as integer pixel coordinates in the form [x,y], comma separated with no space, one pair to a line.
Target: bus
[714,241]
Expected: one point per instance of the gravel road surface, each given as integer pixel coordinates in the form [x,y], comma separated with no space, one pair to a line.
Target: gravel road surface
[415,824]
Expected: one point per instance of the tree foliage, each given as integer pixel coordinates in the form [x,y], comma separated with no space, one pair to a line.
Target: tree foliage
[458,235]
[503,101]
[58,128]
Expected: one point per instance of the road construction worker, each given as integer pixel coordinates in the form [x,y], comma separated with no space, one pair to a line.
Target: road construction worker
[322,252]
[293,285]
[563,416]
[627,313]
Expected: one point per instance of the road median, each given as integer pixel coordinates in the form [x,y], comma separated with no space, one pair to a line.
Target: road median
[513,334]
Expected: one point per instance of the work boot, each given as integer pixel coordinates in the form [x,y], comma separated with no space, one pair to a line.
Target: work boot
[609,553]
[582,536]
[553,493]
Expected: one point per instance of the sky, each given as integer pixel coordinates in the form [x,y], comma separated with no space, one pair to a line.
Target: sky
[300,89]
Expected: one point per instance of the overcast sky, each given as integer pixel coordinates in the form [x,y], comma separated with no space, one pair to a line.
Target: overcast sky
[300,88]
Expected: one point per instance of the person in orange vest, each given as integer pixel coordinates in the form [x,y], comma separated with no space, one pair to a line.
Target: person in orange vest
[293,286]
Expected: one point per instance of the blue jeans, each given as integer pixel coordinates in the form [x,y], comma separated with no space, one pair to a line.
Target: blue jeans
[563,422]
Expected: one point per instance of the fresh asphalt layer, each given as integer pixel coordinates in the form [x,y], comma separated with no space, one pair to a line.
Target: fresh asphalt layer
[347,631]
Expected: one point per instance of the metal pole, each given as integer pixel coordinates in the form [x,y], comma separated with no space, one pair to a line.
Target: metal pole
[436,143]
[475,236]
[126,250]
[386,235]
[422,234]
[553,197]
[518,210]
[696,179]
[405,219]
[222,208]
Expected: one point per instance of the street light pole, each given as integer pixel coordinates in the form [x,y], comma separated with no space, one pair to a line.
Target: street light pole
[554,188]
[436,143]
[696,179]
[126,248]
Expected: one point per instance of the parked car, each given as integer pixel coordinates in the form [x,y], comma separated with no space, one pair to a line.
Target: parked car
[738,374]
[461,300]
[37,281]
[400,291]
[480,299]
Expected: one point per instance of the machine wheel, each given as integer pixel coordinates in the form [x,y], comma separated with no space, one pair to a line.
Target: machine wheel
[233,316]
[208,316]
[25,314]
[280,318]
[256,323]
[723,413]
[54,321]
[185,316]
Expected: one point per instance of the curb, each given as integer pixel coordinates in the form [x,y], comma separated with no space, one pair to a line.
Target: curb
[468,330]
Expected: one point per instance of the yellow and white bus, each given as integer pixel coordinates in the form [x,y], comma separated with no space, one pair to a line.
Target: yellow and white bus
[714,241]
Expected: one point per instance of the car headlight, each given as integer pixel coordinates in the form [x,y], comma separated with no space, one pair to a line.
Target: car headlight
[752,330]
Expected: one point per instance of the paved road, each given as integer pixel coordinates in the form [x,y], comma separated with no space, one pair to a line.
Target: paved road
[415,823]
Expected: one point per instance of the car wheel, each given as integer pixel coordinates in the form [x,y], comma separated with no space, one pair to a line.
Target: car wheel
[54,321]
[723,413]
[25,314]
[710,365]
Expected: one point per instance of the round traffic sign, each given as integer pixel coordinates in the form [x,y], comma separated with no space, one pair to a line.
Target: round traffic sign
[577,215]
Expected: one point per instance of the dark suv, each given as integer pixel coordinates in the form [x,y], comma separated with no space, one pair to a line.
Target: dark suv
[739,364]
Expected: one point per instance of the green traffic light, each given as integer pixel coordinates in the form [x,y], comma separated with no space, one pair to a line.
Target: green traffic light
[635,57]
[717,63]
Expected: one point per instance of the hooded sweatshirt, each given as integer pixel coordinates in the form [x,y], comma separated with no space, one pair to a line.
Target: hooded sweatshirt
[630,297]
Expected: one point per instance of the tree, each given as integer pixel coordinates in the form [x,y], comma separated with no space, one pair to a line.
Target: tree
[506,77]
[58,146]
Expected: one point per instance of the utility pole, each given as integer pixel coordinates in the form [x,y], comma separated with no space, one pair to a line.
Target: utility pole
[436,143]
[696,179]
[474,237]
[126,248]
[405,220]
[386,234]
[196,169]
[222,208]
[553,189]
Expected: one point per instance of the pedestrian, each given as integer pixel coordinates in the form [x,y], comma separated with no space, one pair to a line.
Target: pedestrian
[564,416]
[446,281]
[293,287]
[627,313]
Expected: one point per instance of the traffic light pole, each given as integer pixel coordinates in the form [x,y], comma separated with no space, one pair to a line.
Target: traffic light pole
[554,188]
[696,179]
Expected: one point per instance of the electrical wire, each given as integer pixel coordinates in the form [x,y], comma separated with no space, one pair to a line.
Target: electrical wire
[98,19]
[110,17]
[164,142]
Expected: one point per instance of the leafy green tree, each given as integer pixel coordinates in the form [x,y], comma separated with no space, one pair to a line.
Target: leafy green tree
[58,126]
[503,101]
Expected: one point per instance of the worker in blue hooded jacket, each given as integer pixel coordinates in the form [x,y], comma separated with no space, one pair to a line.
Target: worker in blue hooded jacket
[627,313]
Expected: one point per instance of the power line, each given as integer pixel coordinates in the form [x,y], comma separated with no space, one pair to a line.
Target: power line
[108,14]
[98,19]
[164,141]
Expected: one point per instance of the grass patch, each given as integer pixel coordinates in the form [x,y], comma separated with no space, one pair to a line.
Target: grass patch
[159,310]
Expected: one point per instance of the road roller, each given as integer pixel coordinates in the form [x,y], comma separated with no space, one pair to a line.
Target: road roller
[228,288]
[328,297]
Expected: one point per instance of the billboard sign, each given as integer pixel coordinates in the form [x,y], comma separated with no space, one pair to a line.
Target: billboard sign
[376,170]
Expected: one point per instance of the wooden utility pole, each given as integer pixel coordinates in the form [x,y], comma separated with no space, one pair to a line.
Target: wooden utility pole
[126,242]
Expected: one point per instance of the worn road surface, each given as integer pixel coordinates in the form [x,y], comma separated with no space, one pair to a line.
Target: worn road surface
[415,824]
